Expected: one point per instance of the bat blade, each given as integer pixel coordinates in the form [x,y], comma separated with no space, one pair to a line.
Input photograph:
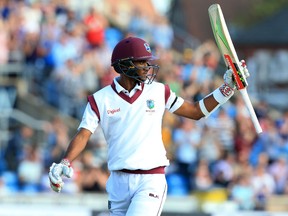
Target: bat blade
[225,44]
[228,52]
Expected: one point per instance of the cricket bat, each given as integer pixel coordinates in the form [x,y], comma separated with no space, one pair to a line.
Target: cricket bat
[226,47]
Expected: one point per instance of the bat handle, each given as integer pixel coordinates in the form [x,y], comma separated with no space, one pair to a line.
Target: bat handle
[250,108]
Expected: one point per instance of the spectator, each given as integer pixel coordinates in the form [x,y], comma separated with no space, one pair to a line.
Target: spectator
[62,50]
[71,91]
[4,190]
[202,180]
[223,171]
[15,33]
[95,25]
[210,147]
[224,125]
[93,175]
[14,150]
[92,72]
[57,138]
[50,33]
[243,193]
[283,125]
[268,142]
[186,66]
[31,17]
[30,169]
[140,24]
[4,55]
[186,138]
[279,170]
[263,184]
[167,131]
[162,35]
[245,137]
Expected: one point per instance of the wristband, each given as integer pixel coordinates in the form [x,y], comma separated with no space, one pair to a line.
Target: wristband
[203,107]
[66,162]
[223,93]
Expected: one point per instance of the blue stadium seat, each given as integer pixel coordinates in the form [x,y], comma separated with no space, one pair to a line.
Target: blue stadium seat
[10,180]
[178,185]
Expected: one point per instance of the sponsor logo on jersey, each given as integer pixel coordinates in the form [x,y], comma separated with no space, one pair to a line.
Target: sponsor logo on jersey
[112,111]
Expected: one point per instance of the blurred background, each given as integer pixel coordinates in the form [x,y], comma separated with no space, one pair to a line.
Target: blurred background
[54,53]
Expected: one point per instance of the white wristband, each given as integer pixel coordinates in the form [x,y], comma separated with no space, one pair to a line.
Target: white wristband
[65,162]
[223,93]
[203,107]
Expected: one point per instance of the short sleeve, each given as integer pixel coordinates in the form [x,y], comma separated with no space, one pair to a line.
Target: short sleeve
[90,120]
[174,102]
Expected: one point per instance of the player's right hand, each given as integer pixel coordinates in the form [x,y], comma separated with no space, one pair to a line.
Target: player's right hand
[55,173]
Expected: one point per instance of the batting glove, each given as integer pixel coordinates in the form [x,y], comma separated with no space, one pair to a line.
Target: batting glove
[228,76]
[55,173]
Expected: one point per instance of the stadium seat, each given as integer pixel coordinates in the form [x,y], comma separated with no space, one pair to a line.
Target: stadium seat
[10,180]
[178,185]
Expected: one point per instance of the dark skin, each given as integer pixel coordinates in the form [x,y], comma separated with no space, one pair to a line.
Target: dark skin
[188,109]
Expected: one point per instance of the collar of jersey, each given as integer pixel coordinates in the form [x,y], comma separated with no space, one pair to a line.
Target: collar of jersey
[120,91]
[119,88]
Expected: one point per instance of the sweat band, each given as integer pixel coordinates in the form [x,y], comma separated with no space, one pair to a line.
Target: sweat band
[203,107]
[223,93]
[65,162]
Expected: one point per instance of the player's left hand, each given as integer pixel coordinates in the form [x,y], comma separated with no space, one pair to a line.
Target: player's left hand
[55,173]
[228,76]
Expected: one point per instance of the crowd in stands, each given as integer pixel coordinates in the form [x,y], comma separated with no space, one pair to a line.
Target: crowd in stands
[67,57]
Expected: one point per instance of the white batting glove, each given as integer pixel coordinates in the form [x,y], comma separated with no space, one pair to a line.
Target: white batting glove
[55,173]
[228,79]
[228,76]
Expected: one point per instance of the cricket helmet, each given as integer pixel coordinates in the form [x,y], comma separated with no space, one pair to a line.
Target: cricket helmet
[133,49]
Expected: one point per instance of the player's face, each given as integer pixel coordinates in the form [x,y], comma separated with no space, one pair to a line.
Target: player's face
[143,69]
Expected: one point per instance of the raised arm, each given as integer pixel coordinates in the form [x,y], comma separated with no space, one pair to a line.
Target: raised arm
[193,110]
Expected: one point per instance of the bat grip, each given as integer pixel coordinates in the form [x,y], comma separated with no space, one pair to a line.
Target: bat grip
[250,108]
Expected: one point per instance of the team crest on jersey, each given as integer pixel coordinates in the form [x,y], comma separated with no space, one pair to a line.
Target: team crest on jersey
[146,45]
[150,104]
